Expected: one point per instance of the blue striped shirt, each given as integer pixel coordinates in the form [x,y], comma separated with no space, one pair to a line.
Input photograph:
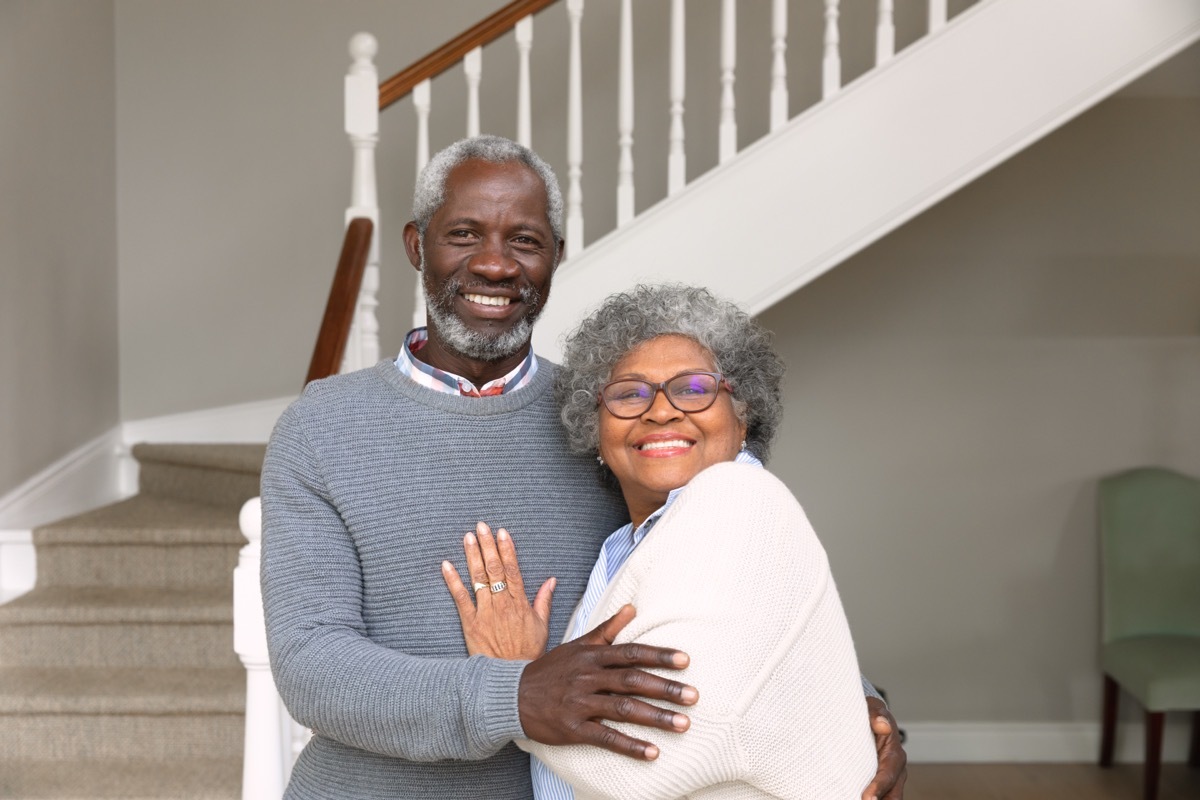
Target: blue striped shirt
[613,554]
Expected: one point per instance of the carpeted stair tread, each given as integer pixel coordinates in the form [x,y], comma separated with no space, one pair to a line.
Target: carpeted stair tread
[41,690]
[102,605]
[245,458]
[146,519]
[178,779]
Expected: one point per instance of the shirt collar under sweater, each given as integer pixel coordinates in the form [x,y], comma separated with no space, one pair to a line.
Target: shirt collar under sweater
[442,381]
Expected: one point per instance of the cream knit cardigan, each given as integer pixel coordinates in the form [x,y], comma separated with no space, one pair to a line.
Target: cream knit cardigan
[733,574]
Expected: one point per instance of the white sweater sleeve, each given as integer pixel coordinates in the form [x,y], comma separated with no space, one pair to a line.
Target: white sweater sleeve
[734,575]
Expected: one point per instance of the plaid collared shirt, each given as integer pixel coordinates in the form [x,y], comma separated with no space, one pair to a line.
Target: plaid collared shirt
[448,382]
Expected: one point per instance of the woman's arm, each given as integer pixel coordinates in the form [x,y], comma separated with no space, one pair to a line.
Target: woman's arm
[734,575]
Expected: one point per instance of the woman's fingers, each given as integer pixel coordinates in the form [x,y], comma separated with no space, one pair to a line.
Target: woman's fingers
[475,566]
[507,550]
[541,603]
[491,557]
[462,598]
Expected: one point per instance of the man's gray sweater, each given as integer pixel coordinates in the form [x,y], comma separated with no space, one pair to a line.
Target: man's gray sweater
[370,482]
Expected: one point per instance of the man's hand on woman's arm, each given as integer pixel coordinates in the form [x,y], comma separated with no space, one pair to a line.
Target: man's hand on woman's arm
[888,783]
[564,693]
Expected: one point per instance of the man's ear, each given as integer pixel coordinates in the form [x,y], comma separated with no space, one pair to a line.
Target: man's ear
[412,244]
[562,250]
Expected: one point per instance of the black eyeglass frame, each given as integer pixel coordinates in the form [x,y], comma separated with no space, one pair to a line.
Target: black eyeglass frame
[661,386]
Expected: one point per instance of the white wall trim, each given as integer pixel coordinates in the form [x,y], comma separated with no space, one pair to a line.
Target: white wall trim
[103,471]
[244,422]
[1034,742]
[82,479]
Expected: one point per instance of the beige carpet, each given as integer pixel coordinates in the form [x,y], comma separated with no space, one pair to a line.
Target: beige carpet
[117,673]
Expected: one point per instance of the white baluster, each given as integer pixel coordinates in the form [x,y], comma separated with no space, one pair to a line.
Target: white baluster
[885,33]
[779,87]
[625,118]
[524,34]
[266,755]
[676,159]
[831,72]
[727,132]
[575,134]
[473,69]
[422,102]
[937,14]
[362,126]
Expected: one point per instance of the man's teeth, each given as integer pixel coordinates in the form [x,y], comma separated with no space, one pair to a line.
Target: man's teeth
[666,443]
[488,300]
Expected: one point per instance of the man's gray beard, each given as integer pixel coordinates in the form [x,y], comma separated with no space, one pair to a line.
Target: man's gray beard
[460,339]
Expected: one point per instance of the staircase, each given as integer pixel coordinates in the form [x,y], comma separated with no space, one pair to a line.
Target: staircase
[117,674]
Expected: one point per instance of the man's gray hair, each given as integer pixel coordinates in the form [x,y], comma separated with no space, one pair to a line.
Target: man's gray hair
[740,347]
[430,193]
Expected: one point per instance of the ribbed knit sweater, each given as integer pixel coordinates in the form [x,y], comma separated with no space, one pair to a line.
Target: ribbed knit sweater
[733,575]
[369,483]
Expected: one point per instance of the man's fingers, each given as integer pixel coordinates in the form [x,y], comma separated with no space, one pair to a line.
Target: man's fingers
[612,739]
[462,598]
[644,684]
[888,783]
[508,558]
[897,792]
[620,708]
[632,654]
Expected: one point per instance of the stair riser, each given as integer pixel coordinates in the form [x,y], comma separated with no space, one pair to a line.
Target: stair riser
[162,566]
[70,737]
[198,484]
[128,645]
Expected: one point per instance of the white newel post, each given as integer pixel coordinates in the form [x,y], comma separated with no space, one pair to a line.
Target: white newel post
[362,126]
[266,751]
[524,37]
[779,86]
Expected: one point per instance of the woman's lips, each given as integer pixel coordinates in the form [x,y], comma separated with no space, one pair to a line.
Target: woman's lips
[664,448]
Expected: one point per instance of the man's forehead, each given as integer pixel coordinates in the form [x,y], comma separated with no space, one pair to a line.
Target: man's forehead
[472,170]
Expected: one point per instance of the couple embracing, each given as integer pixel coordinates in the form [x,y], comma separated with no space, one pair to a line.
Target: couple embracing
[489,576]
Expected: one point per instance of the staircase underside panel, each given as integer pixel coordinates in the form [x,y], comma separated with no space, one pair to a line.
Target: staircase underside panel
[893,143]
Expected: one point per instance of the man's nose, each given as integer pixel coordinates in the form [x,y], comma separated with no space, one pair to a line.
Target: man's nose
[494,262]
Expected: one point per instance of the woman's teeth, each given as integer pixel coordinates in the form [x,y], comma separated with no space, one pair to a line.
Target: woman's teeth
[487,300]
[665,444]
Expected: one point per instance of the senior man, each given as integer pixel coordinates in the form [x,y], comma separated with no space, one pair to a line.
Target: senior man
[372,478]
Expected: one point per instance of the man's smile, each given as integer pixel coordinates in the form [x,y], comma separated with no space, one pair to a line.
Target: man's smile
[487,300]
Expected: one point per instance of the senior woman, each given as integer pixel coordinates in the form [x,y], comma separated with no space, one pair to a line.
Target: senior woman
[677,394]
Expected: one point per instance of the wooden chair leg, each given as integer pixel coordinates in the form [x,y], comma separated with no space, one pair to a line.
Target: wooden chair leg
[1194,752]
[1108,725]
[1154,735]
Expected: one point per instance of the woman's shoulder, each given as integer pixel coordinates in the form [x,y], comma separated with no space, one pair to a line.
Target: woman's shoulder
[730,481]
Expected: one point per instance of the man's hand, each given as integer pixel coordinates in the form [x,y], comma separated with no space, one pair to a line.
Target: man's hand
[888,783]
[565,693]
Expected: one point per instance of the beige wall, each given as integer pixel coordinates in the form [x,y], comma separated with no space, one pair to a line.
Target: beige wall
[58,250]
[956,389]
[234,171]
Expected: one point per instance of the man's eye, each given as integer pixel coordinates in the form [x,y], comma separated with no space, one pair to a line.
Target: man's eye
[526,241]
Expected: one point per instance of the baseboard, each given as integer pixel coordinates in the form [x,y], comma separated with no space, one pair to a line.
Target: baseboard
[102,471]
[242,423]
[82,479]
[1030,742]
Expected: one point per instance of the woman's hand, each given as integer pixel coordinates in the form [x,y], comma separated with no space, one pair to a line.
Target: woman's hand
[499,624]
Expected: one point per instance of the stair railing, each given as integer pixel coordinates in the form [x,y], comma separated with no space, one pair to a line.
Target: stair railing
[272,738]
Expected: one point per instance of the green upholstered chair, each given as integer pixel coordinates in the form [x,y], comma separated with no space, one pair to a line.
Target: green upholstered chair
[1150,564]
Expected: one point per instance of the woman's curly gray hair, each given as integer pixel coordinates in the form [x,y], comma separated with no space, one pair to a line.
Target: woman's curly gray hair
[739,345]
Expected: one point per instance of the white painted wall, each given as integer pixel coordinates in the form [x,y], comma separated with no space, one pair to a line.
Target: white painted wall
[58,251]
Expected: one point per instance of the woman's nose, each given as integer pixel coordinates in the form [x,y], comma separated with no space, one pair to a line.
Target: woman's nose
[660,409]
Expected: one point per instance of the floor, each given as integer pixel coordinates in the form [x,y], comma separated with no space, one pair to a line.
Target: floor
[1045,782]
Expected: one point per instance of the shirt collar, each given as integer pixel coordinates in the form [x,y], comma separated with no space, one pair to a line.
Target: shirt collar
[447,382]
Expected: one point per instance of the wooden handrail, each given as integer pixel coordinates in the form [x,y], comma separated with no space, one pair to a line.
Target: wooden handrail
[343,298]
[449,54]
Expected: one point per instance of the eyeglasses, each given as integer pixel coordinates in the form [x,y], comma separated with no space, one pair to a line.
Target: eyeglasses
[689,392]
